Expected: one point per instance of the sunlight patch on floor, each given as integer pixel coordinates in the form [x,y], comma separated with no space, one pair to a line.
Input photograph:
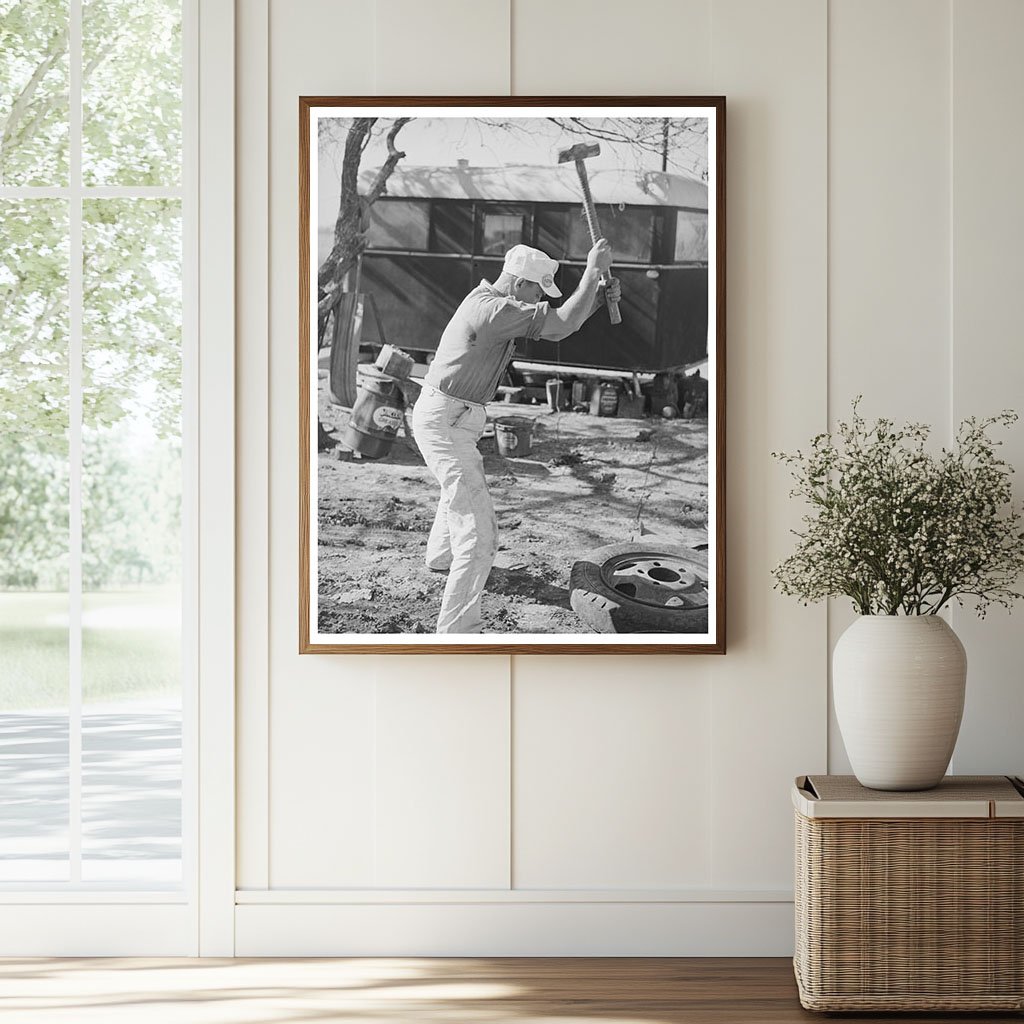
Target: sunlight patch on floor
[219,991]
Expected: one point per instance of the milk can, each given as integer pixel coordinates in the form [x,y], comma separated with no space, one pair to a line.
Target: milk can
[376,416]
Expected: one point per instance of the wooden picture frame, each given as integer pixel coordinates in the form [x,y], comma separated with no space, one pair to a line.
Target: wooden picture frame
[399,240]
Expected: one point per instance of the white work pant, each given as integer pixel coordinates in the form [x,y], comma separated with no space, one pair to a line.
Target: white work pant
[464,537]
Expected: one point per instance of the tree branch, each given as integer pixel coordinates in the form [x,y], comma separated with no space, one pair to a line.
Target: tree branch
[394,155]
[58,45]
[14,136]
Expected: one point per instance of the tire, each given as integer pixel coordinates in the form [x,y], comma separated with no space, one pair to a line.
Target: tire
[597,601]
[344,354]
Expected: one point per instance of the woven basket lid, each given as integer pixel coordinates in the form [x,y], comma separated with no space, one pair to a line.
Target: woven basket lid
[957,796]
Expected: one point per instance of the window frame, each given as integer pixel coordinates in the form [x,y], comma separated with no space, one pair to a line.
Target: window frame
[115,918]
[672,248]
[484,208]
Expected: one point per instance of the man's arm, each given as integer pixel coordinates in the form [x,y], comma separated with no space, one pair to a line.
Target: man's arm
[572,314]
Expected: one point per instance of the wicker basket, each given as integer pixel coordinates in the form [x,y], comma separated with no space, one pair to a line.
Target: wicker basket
[910,901]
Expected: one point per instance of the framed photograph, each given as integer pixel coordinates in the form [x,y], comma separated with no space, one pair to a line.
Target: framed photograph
[512,375]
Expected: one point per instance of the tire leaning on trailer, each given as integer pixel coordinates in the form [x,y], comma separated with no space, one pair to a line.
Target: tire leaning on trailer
[609,610]
[344,353]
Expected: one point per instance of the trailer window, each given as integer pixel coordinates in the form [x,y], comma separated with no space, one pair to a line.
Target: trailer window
[501,232]
[552,230]
[629,232]
[453,227]
[399,224]
[691,237]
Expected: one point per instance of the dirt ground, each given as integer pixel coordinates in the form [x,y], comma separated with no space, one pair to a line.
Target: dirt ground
[589,481]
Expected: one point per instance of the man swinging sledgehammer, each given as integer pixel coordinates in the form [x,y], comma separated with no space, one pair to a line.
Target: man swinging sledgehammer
[449,416]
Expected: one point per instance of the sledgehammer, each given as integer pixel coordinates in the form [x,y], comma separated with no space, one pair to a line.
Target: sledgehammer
[579,153]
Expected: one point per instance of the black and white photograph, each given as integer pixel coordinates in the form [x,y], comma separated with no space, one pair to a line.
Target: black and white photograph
[511,375]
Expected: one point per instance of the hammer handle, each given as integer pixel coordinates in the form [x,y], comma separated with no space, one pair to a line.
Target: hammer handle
[591,214]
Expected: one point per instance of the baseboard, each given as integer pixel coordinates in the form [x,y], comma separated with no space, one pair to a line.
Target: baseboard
[521,928]
[99,928]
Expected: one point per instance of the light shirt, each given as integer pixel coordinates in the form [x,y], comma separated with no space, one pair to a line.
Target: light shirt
[479,341]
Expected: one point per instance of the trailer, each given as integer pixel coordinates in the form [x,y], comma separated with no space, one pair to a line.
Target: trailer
[439,230]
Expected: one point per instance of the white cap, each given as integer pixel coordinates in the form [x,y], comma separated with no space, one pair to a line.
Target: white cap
[533,265]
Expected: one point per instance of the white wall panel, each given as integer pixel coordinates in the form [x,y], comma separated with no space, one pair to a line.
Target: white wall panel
[889,246]
[769,692]
[442,773]
[579,48]
[611,755]
[442,763]
[988,339]
[320,709]
[889,209]
[323,776]
[442,48]
[769,706]
[612,773]
[325,730]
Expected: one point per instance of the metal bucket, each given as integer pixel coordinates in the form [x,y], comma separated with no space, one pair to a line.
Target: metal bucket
[514,435]
[580,393]
[604,400]
[376,416]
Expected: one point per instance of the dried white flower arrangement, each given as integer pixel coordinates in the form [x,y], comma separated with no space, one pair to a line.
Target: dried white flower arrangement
[899,530]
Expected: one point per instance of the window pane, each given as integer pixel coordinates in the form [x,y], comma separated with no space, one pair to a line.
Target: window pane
[131,541]
[501,232]
[131,92]
[629,233]
[33,540]
[553,232]
[33,92]
[453,227]
[131,737]
[691,237]
[398,224]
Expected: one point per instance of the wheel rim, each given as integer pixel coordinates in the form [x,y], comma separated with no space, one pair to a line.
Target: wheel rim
[657,579]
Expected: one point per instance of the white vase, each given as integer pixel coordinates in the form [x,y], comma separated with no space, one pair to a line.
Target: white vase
[898,684]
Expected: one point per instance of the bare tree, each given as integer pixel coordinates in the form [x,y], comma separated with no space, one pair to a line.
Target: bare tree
[353,210]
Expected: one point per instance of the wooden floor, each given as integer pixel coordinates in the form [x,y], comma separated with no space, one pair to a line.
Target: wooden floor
[412,991]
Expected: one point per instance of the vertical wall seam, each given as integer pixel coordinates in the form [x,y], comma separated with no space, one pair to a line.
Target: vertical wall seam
[712,732]
[710,785]
[511,72]
[712,704]
[711,44]
[950,357]
[375,33]
[266,737]
[511,692]
[375,768]
[950,150]
[828,342]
